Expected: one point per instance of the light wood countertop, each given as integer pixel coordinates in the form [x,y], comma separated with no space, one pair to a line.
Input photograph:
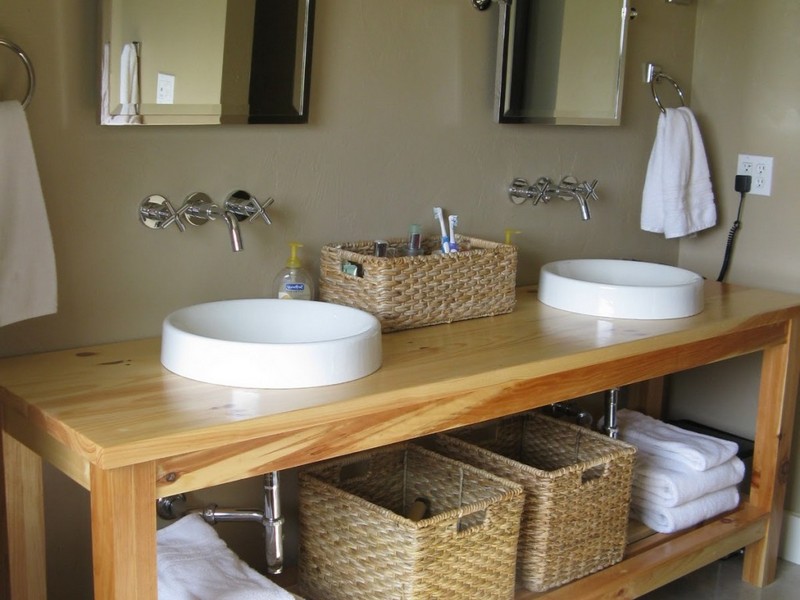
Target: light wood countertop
[111,401]
[115,405]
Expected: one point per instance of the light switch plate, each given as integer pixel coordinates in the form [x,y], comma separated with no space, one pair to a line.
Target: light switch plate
[165,89]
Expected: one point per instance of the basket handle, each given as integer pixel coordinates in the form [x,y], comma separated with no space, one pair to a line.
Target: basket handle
[595,473]
[483,516]
[358,470]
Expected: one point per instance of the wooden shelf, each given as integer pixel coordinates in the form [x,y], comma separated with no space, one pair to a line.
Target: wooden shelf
[651,559]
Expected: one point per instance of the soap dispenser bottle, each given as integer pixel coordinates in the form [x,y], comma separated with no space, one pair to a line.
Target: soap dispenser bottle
[293,282]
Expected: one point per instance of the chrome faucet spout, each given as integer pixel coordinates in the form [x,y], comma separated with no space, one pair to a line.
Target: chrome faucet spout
[199,209]
[233,228]
[585,214]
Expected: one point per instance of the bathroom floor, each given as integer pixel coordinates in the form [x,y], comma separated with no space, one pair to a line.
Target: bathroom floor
[721,580]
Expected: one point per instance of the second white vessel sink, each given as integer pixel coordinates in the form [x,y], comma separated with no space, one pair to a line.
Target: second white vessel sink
[623,289]
[269,343]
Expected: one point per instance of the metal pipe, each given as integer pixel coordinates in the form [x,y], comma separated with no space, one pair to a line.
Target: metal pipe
[270,518]
[612,403]
[273,523]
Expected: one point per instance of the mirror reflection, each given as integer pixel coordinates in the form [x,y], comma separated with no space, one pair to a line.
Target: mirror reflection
[204,62]
[561,61]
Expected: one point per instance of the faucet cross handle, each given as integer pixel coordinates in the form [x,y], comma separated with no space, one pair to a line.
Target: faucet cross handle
[246,206]
[589,188]
[156,212]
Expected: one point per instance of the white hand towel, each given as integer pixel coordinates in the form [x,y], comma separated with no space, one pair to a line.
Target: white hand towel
[27,263]
[677,199]
[194,563]
[129,79]
[670,519]
[661,481]
[695,450]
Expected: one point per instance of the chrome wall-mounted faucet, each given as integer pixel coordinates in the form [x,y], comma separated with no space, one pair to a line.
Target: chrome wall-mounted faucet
[545,190]
[201,209]
[156,212]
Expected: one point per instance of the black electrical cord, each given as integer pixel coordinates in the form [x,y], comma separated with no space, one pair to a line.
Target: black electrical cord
[742,186]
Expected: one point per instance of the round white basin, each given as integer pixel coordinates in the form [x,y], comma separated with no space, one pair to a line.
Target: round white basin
[270,343]
[623,289]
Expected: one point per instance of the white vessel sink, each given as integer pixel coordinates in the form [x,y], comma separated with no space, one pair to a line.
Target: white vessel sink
[622,289]
[269,343]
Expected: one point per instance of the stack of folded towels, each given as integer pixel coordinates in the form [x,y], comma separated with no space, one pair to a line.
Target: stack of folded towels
[681,477]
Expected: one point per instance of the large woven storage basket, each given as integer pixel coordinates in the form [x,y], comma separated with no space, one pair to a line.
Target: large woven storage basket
[414,291]
[577,485]
[355,543]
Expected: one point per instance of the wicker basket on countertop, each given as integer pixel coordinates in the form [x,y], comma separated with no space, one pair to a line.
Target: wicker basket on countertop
[356,543]
[414,291]
[577,485]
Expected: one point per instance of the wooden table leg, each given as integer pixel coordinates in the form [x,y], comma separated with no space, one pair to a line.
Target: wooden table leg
[648,397]
[124,532]
[780,370]
[24,527]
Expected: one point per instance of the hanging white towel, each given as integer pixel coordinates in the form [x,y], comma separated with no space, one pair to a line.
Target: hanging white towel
[670,519]
[694,450]
[194,563]
[678,199]
[106,116]
[129,79]
[27,263]
[663,481]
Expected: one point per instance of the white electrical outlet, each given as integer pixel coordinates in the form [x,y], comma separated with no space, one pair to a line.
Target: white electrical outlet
[760,169]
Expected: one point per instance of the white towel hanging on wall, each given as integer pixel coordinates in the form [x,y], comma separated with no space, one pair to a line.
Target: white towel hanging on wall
[27,262]
[678,199]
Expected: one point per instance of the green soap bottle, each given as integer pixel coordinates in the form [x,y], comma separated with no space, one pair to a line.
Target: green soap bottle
[293,282]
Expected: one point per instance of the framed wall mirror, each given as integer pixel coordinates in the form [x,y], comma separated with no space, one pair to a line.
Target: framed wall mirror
[561,61]
[205,62]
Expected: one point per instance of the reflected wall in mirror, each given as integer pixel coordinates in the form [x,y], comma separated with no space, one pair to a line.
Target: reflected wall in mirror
[561,61]
[205,62]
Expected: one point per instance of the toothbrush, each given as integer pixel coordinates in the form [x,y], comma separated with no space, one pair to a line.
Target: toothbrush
[453,220]
[439,215]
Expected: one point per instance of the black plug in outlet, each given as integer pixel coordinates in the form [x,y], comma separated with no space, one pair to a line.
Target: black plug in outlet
[743,183]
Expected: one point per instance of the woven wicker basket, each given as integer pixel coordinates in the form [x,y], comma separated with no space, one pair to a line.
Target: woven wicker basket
[355,545]
[577,484]
[413,291]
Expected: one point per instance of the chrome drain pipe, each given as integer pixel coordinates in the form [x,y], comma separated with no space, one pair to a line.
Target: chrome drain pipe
[610,425]
[270,518]
[273,523]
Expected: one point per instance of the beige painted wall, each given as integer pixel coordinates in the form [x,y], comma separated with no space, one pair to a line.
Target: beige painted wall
[401,106]
[745,92]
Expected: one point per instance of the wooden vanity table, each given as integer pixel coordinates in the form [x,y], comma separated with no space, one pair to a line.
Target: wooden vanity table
[115,421]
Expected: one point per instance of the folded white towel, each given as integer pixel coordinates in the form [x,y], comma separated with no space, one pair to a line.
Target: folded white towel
[194,563]
[677,199]
[27,263]
[695,450]
[666,519]
[659,481]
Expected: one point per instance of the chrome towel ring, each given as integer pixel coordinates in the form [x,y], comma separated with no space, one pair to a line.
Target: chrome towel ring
[653,75]
[28,66]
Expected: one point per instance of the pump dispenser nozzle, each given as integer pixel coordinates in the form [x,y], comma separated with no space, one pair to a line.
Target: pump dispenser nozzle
[509,233]
[293,262]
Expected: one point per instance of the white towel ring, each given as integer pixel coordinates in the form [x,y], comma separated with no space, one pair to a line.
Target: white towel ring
[28,66]
[655,79]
